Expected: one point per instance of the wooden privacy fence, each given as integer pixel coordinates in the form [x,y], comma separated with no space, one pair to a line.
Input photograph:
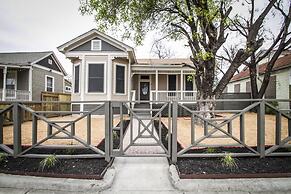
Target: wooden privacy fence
[40,106]
[144,119]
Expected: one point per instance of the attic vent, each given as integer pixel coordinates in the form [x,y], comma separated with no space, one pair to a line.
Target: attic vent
[96,45]
[50,61]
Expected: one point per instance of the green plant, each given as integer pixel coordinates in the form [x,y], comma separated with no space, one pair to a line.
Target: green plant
[269,110]
[210,150]
[48,162]
[115,136]
[3,157]
[228,161]
[70,151]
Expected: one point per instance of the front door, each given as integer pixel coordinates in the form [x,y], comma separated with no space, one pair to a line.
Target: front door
[144,91]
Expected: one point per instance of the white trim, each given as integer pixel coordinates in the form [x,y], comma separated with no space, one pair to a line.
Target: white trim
[144,80]
[48,69]
[92,45]
[16,66]
[53,86]
[30,83]
[74,77]
[114,79]
[87,77]
[100,53]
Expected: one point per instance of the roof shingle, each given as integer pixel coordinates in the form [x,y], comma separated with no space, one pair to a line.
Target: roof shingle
[21,58]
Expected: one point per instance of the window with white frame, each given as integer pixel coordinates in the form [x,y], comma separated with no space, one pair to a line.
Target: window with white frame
[96,45]
[49,84]
[96,77]
[50,61]
[120,79]
[77,78]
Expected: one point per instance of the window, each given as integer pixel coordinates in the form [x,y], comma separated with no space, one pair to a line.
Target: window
[96,78]
[11,82]
[248,86]
[188,82]
[49,84]
[120,79]
[96,45]
[236,88]
[172,82]
[77,78]
[50,61]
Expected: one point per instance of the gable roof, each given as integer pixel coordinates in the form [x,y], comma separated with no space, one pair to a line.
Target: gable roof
[90,35]
[22,58]
[174,61]
[281,63]
[28,58]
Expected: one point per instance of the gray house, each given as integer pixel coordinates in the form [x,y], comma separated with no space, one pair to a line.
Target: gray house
[107,69]
[24,75]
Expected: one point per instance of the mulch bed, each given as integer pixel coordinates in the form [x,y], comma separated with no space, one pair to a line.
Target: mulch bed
[247,167]
[82,168]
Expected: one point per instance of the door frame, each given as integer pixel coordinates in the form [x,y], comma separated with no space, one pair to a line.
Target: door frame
[145,80]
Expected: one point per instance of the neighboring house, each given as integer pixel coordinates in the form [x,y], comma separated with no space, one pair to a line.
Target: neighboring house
[24,75]
[107,69]
[67,86]
[279,85]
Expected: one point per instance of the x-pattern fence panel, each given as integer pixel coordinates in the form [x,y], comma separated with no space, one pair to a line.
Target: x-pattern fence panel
[151,126]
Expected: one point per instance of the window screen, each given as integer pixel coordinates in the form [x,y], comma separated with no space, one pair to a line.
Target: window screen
[236,88]
[49,84]
[77,75]
[172,82]
[120,76]
[188,83]
[96,78]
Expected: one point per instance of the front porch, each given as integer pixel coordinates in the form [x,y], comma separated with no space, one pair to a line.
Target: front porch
[14,83]
[163,86]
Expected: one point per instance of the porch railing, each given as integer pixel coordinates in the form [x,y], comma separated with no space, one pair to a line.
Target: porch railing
[165,95]
[13,95]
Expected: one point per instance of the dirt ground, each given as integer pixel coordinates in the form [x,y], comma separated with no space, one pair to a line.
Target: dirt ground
[184,130]
[97,131]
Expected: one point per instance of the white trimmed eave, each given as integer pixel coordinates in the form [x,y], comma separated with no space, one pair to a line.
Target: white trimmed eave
[153,68]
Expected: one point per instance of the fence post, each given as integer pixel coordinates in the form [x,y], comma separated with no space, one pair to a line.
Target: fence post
[107,130]
[89,129]
[174,132]
[261,129]
[1,128]
[17,116]
[34,129]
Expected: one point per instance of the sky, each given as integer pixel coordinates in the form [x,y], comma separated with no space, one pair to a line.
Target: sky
[43,25]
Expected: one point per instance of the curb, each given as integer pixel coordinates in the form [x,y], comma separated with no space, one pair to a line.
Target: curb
[58,184]
[228,185]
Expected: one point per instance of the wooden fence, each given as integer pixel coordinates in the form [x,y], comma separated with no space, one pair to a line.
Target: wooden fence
[40,106]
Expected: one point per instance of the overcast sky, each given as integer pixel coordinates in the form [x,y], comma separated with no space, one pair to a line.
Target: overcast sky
[42,25]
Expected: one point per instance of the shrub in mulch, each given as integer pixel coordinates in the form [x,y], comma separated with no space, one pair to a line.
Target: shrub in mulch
[84,168]
[245,167]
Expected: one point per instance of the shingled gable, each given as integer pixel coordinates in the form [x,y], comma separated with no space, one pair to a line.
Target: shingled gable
[32,58]
[79,42]
[281,63]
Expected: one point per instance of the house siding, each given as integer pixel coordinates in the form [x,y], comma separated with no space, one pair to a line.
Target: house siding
[105,46]
[44,63]
[38,80]
[282,85]
[23,80]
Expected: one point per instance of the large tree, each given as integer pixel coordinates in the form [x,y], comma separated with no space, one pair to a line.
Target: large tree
[203,24]
[276,41]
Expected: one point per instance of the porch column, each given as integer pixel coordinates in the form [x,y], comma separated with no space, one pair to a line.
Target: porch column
[129,80]
[157,84]
[30,83]
[4,83]
[82,81]
[181,83]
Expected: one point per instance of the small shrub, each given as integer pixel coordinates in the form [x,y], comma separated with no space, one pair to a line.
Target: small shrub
[3,157]
[48,162]
[70,151]
[229,162]
[114,134]
[210,150]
